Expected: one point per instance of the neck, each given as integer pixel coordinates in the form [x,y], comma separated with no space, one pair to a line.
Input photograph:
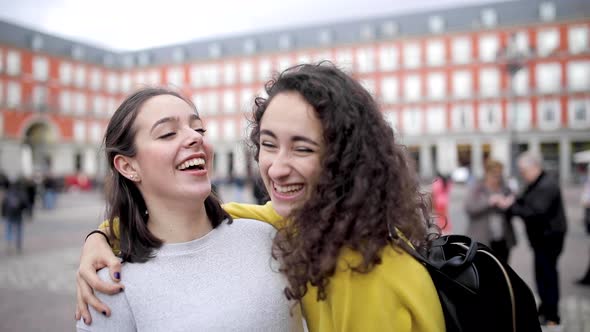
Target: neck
[177,221]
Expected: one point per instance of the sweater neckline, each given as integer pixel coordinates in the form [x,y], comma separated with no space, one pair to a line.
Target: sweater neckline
[181,248]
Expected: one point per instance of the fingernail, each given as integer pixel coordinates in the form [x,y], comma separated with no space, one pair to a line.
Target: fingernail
[84,319]
[121,290]
[104,313]
[117,275]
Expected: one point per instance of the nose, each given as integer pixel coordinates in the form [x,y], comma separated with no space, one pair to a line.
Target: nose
[280,166]
[193,138]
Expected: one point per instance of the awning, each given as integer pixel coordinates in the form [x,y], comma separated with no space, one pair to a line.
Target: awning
[582,157]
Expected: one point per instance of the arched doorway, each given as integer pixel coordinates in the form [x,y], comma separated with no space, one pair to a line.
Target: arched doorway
[38,140]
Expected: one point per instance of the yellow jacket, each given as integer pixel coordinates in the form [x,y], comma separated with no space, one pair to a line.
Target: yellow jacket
[397,295]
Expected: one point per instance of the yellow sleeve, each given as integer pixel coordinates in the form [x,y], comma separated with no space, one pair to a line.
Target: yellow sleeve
[104,226]
[397,295]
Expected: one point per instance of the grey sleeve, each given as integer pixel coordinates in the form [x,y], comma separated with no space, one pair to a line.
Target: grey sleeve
[121,318]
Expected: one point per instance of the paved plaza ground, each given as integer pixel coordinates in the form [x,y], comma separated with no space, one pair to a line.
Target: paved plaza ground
[37,289]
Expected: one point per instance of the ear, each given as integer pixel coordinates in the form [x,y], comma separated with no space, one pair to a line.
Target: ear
[125,166]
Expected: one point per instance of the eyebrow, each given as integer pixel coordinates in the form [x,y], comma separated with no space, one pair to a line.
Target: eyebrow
[296,138]
[192,117]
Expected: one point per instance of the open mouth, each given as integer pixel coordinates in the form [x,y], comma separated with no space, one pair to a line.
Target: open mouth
[192,165]
[288,190]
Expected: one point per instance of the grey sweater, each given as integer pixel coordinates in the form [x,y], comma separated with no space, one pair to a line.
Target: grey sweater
[223,281]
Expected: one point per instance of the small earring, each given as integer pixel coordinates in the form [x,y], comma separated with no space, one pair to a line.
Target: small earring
[134,177]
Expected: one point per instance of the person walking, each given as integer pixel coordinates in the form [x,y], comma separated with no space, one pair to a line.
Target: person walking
[441,191]
[14,204]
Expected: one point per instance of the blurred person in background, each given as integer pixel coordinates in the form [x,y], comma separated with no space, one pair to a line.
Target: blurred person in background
[49,186]
[14,205]
[488,223]
[541,208]
[441,191]
[585,280]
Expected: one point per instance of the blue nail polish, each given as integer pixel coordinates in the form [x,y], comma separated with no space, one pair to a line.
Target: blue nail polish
[121,290]
[104,313]
[117,275]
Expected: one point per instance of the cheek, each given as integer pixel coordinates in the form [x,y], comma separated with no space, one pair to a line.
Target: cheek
[313,169]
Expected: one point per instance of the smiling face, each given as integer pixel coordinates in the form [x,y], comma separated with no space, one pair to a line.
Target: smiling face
[172,154]
[291,146]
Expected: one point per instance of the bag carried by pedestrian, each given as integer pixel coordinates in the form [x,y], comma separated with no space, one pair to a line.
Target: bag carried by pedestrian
[477,291]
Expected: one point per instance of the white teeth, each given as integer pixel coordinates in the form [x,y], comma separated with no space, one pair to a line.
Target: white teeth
[288,189]
[191,162]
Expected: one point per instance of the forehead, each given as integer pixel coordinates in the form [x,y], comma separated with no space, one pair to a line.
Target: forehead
[289,112]
[162,106]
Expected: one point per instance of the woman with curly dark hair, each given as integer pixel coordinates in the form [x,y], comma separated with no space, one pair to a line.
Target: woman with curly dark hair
[345,200]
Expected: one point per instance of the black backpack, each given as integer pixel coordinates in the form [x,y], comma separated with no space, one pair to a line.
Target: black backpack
[477,291]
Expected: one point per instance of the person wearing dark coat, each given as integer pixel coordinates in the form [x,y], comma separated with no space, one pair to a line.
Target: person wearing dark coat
[541,208]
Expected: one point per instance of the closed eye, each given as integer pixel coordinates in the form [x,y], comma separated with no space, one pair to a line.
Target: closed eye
[302,149]
[170,134]
[201,131]
[267,144]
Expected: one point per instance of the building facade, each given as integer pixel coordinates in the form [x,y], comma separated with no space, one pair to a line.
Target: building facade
[457,85]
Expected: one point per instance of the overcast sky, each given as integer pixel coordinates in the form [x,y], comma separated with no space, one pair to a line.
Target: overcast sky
[138,24]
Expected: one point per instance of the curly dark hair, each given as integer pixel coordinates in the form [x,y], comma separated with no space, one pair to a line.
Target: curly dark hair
[368,186]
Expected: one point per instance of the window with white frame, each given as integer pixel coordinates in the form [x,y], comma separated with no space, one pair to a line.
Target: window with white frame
[391,118]
[175,77]
[212,75]
[79,131]
[489,17]
[154,77]
[126,82]
[13,63]
[98,105]
[436,24]
[285,62]
[412,55]
[462,118]
[303,58]
[229,130]
[199,101]
[412,121]
[365,60]
[435,52]
[212,127]
[488,48]
[140,79]
[65,101]
[65,73]
[521,42]
[435,119]
[13,94]
[230,104]
[112,82]
[548,77]
[577,37]
[490,117]
[40,95]
[462,84]
[80,76]
[520,82]
[212,102]
[547,11]
[80,103]
[547,41]
[246,72]
[197,76]
[264,69]
[579,113]
[345,60]
[548,115]
[111,106]
[388,58]
[578,75]
[246,99]
[412,87]
[95,79]
[389,89]
[461,50]
[489,82]
[436,85]
[519,115]
[40,68]
[96,132]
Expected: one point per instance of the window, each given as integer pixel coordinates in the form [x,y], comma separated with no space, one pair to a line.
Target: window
[80,103]
[40,98]
[112,82]
[199,102]
[111,106]
[462,118]
[461,50]
[489,82]
[435,119]
[285,42]
[388,58]
[389,28]
[548,114]
[13,94]
[212,129]
[197,76]
[369,85]
[412,55]
[40,68]
[412,121]
[547,41]
[367,32]
[175,77]
[519,115]
[212,75]
[140,78]
[65,101]
[95,79]
[80,76]
[578,75]
[98,105]
[391,118]
[65,73]
[547,11]
[521,42]
[95,132]
[214,50]
[579,116]
[365,59]
[285,62]
[490,117]
[437,88]
[462,84]
[229,130]
[412,88]
[126,82]
[520,82]
[249,46]
[264,69]
[79,131]
[246,72]
[548,77]
[211,103]
[436,24]
[229,102]
[246,99]
[389,89]
[344,60]
[325,37]
[489,18]
[488,48]
[578,39]
[13,63]
[154,77]
[321,56]
[435,53]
